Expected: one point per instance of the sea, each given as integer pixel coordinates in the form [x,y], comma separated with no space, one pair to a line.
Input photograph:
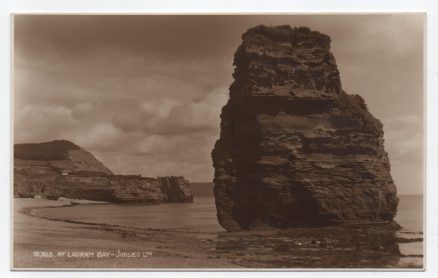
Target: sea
[200,216]
[197,216]
[410,217]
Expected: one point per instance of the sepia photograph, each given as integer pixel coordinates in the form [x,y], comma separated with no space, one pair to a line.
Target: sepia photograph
[218,141]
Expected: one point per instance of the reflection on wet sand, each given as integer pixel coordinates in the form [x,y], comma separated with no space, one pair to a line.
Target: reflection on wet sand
[188,235]
[370,246]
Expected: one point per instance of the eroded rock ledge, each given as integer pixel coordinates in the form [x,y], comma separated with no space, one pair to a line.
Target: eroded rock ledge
[62,169]
[295,149]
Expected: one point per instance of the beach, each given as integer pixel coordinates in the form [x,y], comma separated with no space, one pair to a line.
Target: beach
[59,234]
[33,234]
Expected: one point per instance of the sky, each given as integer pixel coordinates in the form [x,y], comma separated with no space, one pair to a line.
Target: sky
[143,93]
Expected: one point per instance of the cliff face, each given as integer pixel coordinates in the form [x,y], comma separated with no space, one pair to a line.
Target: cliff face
[108,188]
[295,149]
[62,169]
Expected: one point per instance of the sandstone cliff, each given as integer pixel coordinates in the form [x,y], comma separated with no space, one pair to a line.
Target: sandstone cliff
[295,149]
[63,169]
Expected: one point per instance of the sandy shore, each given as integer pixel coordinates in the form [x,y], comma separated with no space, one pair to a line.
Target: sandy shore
[158,249]
[85,245]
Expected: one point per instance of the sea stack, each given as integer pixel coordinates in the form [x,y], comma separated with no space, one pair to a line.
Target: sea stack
[295,150]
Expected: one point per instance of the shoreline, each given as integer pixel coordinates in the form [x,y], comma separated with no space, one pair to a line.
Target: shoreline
[71,236]
[29,211]
[174,249]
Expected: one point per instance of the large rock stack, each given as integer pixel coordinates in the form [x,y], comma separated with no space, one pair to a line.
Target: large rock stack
[296,150]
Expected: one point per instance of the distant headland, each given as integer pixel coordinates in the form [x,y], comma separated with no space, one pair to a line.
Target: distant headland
[61,168]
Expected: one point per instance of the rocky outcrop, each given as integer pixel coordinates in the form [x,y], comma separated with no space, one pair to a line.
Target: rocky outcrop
[175,189]
[295,149]
[107,188]
[77,174]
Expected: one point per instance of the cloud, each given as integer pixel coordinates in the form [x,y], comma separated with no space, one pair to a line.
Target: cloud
[100,136]
[196,116]
[82,110]
[405,145]
[144,93]
[404,135]
[31,122]
[165,116]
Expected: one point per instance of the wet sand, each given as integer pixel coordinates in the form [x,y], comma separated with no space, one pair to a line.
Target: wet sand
[169,249]
[357,246]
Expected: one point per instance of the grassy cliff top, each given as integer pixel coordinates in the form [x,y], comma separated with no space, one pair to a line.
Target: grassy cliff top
[54,150]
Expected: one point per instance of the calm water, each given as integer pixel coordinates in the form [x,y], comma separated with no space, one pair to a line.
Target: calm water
[410,217]
[410,213]
[198,216]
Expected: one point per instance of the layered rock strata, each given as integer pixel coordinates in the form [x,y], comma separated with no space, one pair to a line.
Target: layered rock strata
[107,188]
[295,149]
[62,169]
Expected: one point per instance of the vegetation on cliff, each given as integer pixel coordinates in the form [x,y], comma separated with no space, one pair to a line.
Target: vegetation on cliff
[54,150]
